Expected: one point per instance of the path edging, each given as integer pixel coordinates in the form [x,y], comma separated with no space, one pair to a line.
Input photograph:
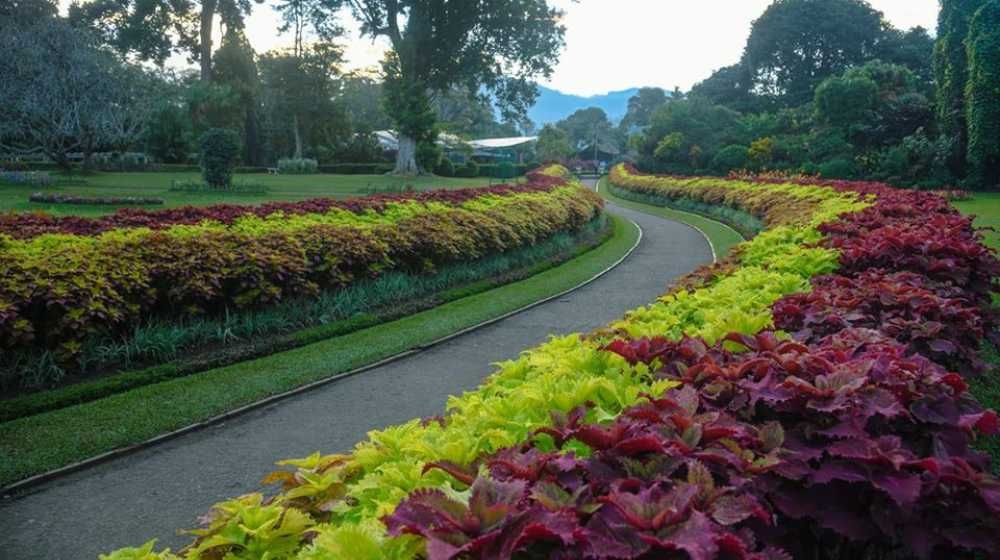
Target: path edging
[38,479]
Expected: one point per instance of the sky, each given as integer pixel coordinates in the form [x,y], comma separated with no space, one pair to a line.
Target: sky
[613,45]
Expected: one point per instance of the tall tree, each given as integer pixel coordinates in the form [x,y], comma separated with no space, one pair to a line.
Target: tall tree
[18,12]
[299,92]
[553,144]
[236,68]
[492,47]
[62,93]
[587,127]
[983,95]
[641,107]
[154,29]
[951,74]
[301,16]
[796,44]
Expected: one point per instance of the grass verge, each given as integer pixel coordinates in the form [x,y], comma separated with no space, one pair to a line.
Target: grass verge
[50,440]
[722,237]
[986,388]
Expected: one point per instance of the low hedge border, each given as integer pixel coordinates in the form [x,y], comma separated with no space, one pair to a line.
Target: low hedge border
[744,223]
[515,265]
[57,198]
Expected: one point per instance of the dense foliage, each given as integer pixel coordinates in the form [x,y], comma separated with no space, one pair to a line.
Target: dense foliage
[58,288]
[691,428]
[219,150]
[981,95]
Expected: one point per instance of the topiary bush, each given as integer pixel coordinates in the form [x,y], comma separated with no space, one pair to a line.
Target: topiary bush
[219,149]
[297,166]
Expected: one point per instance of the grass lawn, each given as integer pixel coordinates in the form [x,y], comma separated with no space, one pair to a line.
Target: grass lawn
[47,441]
[282,187]
[986,208]
[723,237]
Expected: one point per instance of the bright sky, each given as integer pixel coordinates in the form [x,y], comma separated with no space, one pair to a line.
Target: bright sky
[617,44]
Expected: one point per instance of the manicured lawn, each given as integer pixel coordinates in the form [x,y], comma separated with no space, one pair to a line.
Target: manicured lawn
[986,208]
[50,440]
[723,237]
[282,187]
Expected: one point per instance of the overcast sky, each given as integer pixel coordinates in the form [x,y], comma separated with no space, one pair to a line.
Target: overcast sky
[618,44]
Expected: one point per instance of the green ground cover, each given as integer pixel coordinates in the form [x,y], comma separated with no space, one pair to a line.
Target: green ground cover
[281,187]
[986,208]
[85,430]
[723,237]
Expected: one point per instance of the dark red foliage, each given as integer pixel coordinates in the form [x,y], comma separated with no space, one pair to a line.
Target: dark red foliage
[668,479]
[877,442]
[934,319]
[28,225]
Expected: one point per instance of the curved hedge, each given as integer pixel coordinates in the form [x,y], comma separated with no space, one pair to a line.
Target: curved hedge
[692,427]
[72,278]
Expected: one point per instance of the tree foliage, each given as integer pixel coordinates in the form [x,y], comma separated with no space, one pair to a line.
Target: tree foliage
[796,44]
[951,74]
[553,144]
[63,93]
[641,107]
[492,47]
[983,95]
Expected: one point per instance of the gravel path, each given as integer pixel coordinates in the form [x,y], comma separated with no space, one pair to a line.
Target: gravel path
[153,492]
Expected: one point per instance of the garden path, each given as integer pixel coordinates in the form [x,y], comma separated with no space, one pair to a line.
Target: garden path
[152,492]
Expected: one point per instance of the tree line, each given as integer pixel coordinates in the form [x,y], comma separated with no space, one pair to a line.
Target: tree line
[467,68]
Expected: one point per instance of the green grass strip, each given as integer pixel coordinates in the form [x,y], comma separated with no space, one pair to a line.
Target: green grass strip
[47,441]
[722,237]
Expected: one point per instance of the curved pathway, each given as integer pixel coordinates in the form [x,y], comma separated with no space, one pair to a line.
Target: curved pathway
[154,492]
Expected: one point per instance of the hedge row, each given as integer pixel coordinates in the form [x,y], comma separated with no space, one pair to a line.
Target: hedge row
[56,289]
[691,429]
[29,225]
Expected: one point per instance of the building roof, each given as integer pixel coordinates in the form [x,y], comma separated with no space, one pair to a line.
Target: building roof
[499,143]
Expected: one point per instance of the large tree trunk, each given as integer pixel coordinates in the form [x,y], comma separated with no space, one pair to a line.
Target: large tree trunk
[406,157]
[297,134]
[205,37]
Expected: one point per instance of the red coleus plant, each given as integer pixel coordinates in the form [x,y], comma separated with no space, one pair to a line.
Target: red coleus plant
[932,318]
[876,458]
[667,479]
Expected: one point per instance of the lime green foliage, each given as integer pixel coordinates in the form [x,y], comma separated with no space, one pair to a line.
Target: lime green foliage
[722,236]
[280,188]
[144,552]
[84,430]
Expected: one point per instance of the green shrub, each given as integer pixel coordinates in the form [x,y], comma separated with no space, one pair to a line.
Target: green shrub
[730,158]
[445,168]
[357,168]
[470,169]
[297,166]
[840,168]
[219,149]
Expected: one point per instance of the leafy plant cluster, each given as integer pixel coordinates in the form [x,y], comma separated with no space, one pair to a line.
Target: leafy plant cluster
[297,166]
[59,289]
[59,198]
[28,225]
[692,429]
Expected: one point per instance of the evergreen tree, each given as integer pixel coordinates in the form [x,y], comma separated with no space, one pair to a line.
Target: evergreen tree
[951,74]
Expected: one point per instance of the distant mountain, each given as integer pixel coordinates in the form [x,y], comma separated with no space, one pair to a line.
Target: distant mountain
[554,105]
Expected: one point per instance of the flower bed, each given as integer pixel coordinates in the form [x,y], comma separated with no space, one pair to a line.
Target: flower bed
[57,288]
[57,198]
[691,428]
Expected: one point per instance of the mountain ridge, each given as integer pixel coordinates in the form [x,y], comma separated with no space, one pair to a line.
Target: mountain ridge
[553,105]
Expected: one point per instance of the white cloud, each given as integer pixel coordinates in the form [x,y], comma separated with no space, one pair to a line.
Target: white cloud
[618,44]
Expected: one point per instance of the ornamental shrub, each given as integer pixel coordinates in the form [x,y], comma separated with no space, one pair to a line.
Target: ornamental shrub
[220,148]
[297,166]
[470,169]
[445,168]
